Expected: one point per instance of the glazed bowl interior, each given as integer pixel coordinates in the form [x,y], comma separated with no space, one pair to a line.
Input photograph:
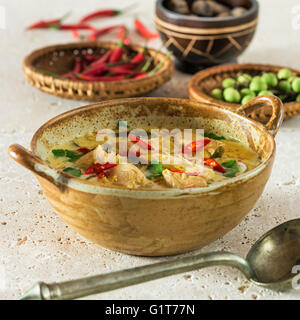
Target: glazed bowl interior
[155,112]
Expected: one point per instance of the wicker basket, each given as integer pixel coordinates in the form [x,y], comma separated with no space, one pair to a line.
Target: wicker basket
[204,81]
[59,59]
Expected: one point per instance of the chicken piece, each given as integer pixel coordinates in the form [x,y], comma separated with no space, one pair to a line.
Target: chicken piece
[86,160]
[211,147]
[181,180]
[128,175]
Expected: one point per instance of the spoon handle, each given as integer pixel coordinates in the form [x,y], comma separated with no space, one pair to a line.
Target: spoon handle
[106,282]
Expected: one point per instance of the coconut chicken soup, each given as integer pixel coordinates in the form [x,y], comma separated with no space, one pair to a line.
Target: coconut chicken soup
[153,158]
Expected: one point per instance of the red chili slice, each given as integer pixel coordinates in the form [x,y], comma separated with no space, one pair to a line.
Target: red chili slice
[99,168]
[195,145]
[212,163]
[83,150]
[139,142]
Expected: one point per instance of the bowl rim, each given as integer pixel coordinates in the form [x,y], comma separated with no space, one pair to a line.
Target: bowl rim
[173,15]
[145,193]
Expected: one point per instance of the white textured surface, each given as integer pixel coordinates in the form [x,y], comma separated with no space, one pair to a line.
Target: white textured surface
[36,245]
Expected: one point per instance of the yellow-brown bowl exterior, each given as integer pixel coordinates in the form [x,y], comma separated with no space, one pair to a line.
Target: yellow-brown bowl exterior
[146,222]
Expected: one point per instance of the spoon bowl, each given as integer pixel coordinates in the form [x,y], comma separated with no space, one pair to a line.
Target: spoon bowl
[273,256]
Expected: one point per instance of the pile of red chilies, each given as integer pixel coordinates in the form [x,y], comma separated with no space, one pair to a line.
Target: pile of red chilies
[83,24]
[112,66]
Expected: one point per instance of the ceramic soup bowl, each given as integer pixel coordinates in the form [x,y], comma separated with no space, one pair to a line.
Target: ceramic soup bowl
[153,222]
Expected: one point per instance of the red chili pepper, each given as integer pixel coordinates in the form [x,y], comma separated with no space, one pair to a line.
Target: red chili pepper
[140,142]
[195,146]
[139,75]
[75,27]
[116,55]
[123,36]
[97,33]
[139,58]
[43,24]
[95,70]
[104,58]
[118,71]
[47,23]
[83,150]
[212,163]
[103,78]
[187,173]
[99,168]
[75,34]
[77,66]
[143,31]
[101,14]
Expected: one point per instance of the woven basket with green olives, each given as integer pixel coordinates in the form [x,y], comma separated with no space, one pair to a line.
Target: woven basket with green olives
[244,87]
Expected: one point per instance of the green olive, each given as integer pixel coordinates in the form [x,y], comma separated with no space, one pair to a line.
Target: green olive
[298,97]
[284,86]
[270,79]
[232,95]
[265,92]
[243,79]
[258,84]
[246,99]
[217,94]
[284,74]
[296,84]
[246,92]
[228,83]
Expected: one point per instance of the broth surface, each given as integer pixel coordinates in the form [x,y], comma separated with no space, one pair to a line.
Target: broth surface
[99,161]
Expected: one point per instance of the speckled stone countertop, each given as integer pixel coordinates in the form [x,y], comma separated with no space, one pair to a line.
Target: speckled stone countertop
[37,245]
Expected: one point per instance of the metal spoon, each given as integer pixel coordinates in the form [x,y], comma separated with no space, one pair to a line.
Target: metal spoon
[269,263]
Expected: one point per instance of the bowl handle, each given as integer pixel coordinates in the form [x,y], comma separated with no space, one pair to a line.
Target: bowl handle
[31,162]
[277,110]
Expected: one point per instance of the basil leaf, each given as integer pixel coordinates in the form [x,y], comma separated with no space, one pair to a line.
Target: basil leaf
[73,156]
[59,153]
[154,170]
[231,168]
[73,171]
[214,136]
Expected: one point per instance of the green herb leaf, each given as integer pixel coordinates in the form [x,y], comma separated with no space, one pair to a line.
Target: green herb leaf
[214,136]
[58,153]
[231,168]
[73,171]
[154,170]
[72,155]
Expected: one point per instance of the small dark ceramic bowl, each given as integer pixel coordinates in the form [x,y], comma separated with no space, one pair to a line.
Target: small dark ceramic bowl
[200,42]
